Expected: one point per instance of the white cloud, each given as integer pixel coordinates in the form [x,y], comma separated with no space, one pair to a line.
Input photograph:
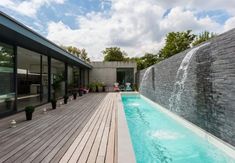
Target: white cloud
[29,7]
[135,26]
[180,19]
[229,24]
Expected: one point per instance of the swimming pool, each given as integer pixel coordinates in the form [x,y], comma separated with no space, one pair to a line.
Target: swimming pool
[156,137]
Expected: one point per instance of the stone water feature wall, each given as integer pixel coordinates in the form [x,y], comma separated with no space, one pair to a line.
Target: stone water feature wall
[198,84]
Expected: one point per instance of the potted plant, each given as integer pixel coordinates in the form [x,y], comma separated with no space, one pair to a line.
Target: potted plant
[53,103]
[100,87]
[29,112]
[56,86]
[8,102]
[80,92]
[103,87]
[92,87]
[74,95]
[66,97]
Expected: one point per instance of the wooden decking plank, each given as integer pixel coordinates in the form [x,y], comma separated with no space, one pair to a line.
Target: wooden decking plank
[86,150]
[61,143]
[94,150]
[76,154]
[45,149]
[111,140]
[20,141]
[20,129]
[103,145]
[35,145]
[75,143]
[38,136]
[83,130]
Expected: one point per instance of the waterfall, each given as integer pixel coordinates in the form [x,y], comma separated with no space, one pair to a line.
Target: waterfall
[145,77]
[181,77]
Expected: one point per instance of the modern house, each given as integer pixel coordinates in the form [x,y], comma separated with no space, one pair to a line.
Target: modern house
[29,64]
[111,72]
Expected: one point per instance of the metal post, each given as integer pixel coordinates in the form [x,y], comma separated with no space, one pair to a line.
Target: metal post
[41,88]
[66,78]
[49,78]
[15,77]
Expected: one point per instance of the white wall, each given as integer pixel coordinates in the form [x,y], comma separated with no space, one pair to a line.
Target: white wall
[106,71]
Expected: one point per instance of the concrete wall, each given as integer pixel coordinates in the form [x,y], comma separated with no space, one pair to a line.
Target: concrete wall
[208,97]
[106,71]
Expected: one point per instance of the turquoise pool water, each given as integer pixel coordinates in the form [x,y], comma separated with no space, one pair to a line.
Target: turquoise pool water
[157,138]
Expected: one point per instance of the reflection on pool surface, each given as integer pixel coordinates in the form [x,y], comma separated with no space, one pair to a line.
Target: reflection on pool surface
[158,138]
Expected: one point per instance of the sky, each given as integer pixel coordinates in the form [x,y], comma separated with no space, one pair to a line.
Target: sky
[136,26]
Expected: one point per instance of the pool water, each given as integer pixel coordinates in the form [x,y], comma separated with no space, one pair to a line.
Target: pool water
[157,138]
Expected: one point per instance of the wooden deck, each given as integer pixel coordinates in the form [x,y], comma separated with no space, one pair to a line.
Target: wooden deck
[84,130]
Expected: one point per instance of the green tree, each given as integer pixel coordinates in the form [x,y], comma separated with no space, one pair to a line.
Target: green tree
[145,61]
[73,50]
[114,54]
[204,36]
[176,42]
[77,52]
[84,55]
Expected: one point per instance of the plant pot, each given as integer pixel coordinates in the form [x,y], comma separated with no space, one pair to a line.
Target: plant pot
[53,104]
[100,89]
[93,89]
[28,116]
[65,100]
[8,105]
[75,96]
[80,93]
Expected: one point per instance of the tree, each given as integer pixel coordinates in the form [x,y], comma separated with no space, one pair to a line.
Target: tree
[73,50]
[84,55]
[114,54]
[77,52]
[176,42]
[204,36]
[147,60]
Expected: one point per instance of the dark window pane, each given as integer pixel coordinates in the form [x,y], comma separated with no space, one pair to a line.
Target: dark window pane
[28,78]
[7,94]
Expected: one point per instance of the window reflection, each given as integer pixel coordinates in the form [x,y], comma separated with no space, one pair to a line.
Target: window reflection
[7,94]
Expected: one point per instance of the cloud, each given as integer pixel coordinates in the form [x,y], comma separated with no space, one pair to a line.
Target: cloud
[229,24]
[180,19]
[28,8]
[135,26]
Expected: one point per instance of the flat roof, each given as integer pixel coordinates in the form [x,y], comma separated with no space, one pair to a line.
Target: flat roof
[14,25]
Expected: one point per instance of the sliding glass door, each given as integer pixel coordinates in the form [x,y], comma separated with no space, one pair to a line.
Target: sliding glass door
[32,78]
[57,78]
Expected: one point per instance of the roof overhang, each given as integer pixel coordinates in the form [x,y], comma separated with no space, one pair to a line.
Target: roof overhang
[18,34]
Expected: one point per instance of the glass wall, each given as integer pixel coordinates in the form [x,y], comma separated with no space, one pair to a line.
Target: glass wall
[125,75]
[28,78]
[73,78]
[57,78]
[7,94]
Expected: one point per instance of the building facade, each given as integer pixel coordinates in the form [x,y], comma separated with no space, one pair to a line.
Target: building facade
[30,65]
[112,72]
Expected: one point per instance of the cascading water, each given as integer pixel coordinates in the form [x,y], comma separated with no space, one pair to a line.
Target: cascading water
[145,78]
[181,77]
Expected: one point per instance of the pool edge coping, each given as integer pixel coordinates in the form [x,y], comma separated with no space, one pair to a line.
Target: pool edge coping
[219,143]
[125,151]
